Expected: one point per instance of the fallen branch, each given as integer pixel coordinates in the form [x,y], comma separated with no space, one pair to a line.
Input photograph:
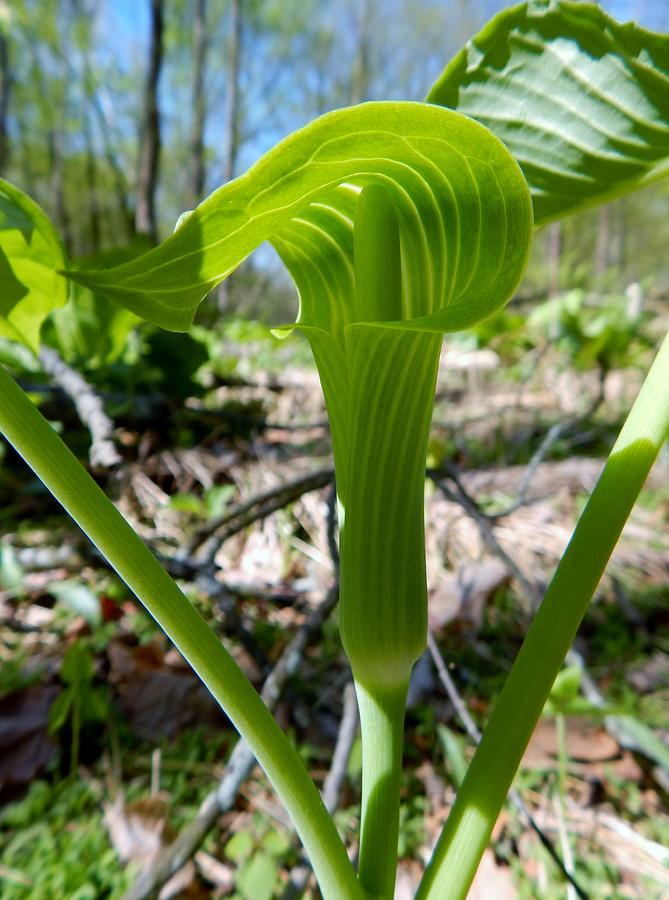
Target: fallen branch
[464,499]
[102,452]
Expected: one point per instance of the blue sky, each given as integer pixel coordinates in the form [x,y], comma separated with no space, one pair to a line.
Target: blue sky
[123,35]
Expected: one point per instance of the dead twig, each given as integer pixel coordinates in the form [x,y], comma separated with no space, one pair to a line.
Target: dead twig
[208,538]
[348,728]
[464,499]
[472,730]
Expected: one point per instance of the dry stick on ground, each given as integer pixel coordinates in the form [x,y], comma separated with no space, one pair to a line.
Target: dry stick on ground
[554,433]
[619,728]
[470,727]
[102,453]
[462,497]
[348,729]
[238,769]
[209,537]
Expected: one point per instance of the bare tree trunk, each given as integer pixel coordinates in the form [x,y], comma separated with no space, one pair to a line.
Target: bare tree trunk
[554,253]
[24,156]
[121,188]
[602,249]
[617,244]
[60,211]
[231,139]
[92,185]
[361,67]
[199,112]
[145,217]
[5,88]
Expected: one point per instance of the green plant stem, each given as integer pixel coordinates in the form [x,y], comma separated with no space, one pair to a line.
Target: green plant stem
[76,732]
[467,831]
[382,729]
[68,481]
[563,759]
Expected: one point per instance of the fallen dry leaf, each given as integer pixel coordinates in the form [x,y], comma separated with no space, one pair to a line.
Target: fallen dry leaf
[25,745]
[159,699]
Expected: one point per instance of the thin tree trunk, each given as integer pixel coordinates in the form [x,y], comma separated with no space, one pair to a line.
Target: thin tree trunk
[361,66]
[82,12]
[147,182]
[121,188]
[617,244]
[5,88]
[602,249]
[199,112]
[554,254]
[60,211]
[231,138]
[92,185]
[24,155]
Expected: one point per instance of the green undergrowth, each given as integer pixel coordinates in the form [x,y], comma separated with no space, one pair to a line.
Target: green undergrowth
[54,836]
[54,840]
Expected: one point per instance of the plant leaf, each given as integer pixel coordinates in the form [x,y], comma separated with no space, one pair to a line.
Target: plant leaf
[89,329]
[462,204]
[30,256]
[580,100]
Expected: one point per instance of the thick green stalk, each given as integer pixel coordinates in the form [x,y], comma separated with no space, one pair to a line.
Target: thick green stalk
[467,831]
[382,727]
[389,375]
[69,482]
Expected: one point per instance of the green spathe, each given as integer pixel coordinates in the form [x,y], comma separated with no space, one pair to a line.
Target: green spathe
[460,198]
[398,222]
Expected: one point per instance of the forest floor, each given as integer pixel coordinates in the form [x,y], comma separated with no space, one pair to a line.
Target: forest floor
[109,745]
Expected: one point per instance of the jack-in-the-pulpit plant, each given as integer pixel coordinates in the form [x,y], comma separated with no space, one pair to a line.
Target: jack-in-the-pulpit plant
[398,222]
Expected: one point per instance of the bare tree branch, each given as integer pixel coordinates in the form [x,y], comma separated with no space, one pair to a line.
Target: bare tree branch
[212,534]
[102,453]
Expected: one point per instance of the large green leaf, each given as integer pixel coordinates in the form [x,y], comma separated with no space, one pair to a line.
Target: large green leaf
[30,256]
[461,200]
[581,100]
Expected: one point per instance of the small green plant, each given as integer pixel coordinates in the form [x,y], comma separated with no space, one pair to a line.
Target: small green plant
[81,702]
[398,222]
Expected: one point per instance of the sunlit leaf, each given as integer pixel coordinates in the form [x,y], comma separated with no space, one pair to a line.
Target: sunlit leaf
[582,101]
[30,256]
